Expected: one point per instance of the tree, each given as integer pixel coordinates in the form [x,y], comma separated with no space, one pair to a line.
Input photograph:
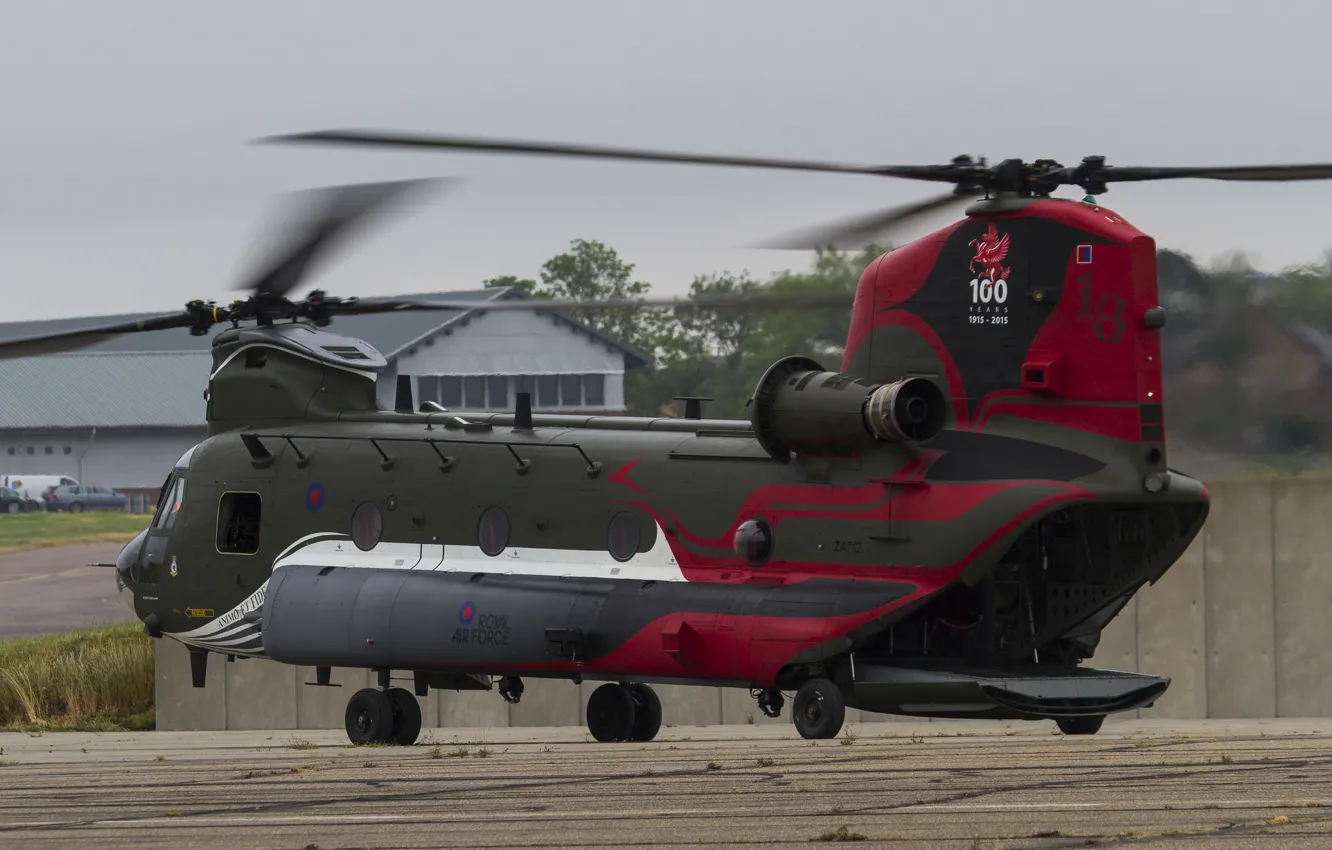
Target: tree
[525,284]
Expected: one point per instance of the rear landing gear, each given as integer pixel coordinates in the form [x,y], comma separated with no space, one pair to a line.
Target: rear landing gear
[383,716]
[1080,725]
[623,712]
[819,709]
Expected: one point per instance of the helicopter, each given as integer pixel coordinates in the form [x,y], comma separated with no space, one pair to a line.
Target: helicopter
[939,526]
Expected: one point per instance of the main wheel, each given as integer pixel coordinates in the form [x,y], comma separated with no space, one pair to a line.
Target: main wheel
[76,508]
[647,712]
[1080,725]
[819,709]
[406,716]
[610,713]
[369,717]
[12,507]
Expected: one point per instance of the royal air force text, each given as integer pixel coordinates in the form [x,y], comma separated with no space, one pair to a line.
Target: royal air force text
[489,630]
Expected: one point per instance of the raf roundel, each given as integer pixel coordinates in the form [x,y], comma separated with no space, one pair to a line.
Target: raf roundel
[467,613]
[314,497]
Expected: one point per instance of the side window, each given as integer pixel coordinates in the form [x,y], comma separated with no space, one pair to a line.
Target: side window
[238,523]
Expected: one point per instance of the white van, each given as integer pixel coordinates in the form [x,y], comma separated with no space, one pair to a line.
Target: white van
[33,486]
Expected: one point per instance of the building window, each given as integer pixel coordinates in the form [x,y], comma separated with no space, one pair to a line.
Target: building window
[548,390]
[594,390]
[524,384]
[474,392]
[13,451]
[571,390]
[50,450]
[69,450]
[31,450]
[497,391]
[450,391]
[427,389]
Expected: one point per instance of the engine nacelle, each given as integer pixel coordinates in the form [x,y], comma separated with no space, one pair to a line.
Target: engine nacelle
[798,408]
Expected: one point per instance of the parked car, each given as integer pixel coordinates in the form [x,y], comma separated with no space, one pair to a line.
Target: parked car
[84,497]
[12,501]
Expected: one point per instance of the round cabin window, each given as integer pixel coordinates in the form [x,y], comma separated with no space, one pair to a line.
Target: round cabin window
[367,526]
[623,536]
[492,532]
[753,542]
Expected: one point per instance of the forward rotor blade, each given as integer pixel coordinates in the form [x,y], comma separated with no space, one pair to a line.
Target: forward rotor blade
[1261,173]
[61,341]
[330,215]
[859,231]
[760,301]
[394,139]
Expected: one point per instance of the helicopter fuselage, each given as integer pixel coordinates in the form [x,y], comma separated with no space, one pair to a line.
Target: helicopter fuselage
[614,547]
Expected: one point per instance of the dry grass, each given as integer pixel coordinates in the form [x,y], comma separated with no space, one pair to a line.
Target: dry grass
[23,532]
[97,680]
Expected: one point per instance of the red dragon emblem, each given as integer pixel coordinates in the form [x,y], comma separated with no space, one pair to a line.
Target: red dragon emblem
[990,253]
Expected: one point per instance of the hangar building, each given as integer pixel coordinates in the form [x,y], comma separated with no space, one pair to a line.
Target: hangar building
[121,412]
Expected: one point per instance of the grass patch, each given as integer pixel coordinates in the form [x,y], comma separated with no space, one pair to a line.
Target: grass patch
[24,532]
[98,680]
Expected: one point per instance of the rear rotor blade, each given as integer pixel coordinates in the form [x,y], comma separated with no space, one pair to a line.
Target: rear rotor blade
[859,231]
[1262,173]
[393,139]
[330,215]
[62,341]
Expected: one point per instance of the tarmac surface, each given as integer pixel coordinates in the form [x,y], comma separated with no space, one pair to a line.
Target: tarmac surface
[1182,784]
[53,590]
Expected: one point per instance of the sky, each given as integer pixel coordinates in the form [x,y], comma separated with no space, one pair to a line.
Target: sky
[127,181]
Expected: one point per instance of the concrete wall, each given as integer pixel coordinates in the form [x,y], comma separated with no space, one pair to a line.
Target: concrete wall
[1242,624]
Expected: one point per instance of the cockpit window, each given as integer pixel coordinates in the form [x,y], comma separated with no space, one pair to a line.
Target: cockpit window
[170,506]
[168,487]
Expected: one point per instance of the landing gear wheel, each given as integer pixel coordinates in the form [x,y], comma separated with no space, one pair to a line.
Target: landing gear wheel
[369,717]
[406,716]
[647,712]
[1080,725]
[610,713]
[819,709]
[13,507]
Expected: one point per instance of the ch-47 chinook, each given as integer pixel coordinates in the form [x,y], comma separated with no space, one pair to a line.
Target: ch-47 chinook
[940,526]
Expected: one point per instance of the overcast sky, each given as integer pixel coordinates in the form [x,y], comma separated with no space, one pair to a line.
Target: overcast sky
[126,183]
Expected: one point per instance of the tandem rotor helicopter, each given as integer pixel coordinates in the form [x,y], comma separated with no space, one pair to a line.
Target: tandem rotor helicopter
[940,526]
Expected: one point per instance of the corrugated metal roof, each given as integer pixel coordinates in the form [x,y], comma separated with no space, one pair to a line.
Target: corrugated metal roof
[106,390]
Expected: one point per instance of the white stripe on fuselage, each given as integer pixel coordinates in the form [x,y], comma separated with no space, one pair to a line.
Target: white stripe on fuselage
[656,564]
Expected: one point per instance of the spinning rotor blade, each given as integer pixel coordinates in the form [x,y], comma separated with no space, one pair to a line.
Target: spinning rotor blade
[765,300]
[858,231]
[1261,173]
[392,139]
[62,341]
[330,216]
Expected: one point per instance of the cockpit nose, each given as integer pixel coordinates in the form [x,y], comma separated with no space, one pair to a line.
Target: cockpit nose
[127,562]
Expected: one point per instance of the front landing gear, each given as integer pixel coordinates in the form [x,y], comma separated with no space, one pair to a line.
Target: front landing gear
[376,716]
[624,712]
[819,709]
